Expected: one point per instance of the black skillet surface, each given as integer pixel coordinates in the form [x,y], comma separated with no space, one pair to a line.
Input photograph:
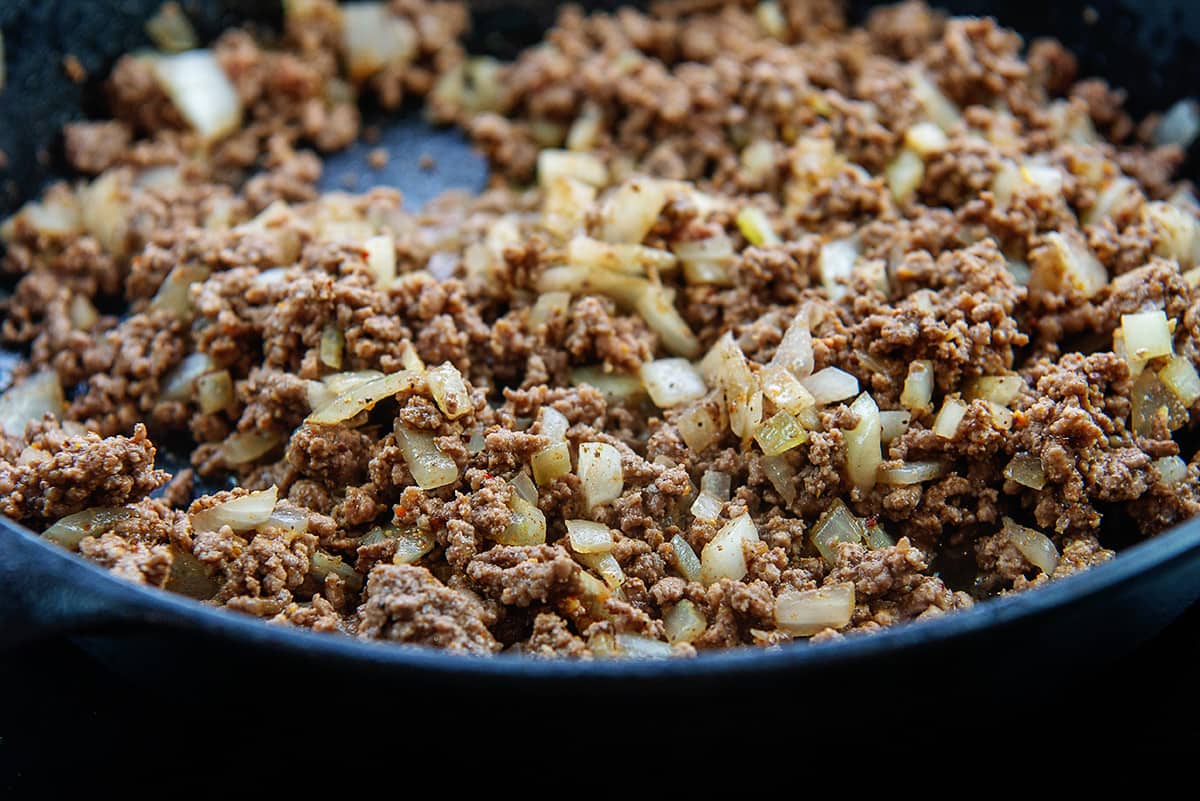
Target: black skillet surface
[144,633]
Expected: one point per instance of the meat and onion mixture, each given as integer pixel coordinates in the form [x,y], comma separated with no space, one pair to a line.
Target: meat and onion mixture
[767,328]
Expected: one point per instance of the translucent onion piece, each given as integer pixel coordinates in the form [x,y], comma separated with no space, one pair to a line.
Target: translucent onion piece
[1066,263]
[381,258]
[838,524]
[565,206]
[893,424]
[795,351]
[588,537]
[214,392]
[659,312]
[757,161]
[72,529]
[1147,335]
[1171,469]
[785,390]
[876,538]
[726,366]
[449,390]
[707,507]
[905,174]
[625,258]
[332,344]
[723,557]
[1179,126]
[1026,469]
[1150,400]
[671,382]
[686,560]
[716,484]
[803,613]
[637,646]
[770,17]
[430,467]
[411,546]
[912,473]
[599,471]
[554,164]
[191,577]
[684,622]
[782,477]
[180,383]
[244,447]
[830,385]
[946,423]
[170,29]
[585,130]
[551,463]
[780,434]
[1117,194]
[174,293]
[863,448]
[362,397]
[756,227]
[319,395]
[201,91]
[1033,545]
[554,424]
[104,207]
[835,263]
[606,565]
[408,358]
[1001,389]
[700,425]
[322,564]
[631,211]
[241,514]
[1002,418]
[374,38]
[1181,378]
[1175,232]
[936,106]
[528,526]
[918,386]
[35,396]
[286,516]
[614,386]
[548,305]
[925,139]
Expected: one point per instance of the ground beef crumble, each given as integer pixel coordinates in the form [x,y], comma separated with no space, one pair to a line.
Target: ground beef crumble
[770,142]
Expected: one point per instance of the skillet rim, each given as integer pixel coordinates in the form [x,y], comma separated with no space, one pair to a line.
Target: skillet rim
[157,609]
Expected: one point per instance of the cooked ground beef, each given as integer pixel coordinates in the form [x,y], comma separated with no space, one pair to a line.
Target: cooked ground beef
[948,299]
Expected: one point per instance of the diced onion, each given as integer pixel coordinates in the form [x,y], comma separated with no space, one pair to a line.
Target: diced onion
[1180,377]
[614,386]
[917,394]
[554,424]
[548,305]
[876,538]
[863,450]
[82,313]
[1002,417]
[214,392]
[1064,263]
[1179,126]
[191,577]
[706,260]
[685,558]
[585,130]
[35,396]
[1119,193]
[780,434]
[701,424]
[375,38]
[240,514]
[318,394]
[937,106]
[528,526]
[1001,389]
[893,424]
[926,139]
[707,507]
[782,477]
[631,211]
[838,524]
[174,293]
[362,397]
[683,622]
[912,473]
[554,164]
[245,447]
[104,209]
[332,345]
[756,227]
[201,91]
[180,383]
[1176,232]
[551,462]
[905,174]
[170,29]
[671,382]
[1147,335]
[381,258]
[1033,545]
[785,390]
[1171,469]
[408,358]
[586,536]
[322,564]
[836,263]
[723,557]
[1026,469]
[830,385]
[72,529]
[946,423]
[288,517]
[795,351]
[522,485]
[1150,400]
[658,310]
[622,257]
[565,205]
[716,484]
[430,467]
[411,546]
[606,565]
[637,646]
[599,471]
[803,613]
[449,390]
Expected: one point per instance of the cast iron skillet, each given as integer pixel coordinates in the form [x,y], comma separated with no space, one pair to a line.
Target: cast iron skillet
[45,591]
